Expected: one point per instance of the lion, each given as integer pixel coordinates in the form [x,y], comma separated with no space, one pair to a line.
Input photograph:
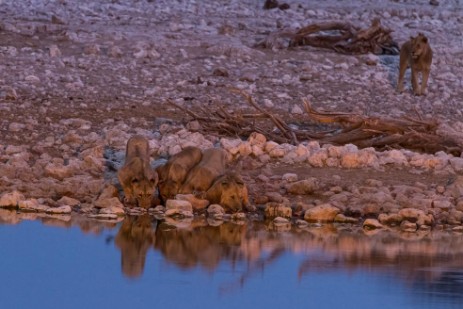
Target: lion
[174,172]
[137,178]
[229,191]
[201,177]
[417,54]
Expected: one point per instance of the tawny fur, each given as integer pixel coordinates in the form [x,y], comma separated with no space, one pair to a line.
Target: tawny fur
[229,191]
[137,178]
[174,172]
[201,177]
[417,54]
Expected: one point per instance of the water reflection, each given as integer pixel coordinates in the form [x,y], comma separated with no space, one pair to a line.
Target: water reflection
[134,238]
[427,265]
[201,244]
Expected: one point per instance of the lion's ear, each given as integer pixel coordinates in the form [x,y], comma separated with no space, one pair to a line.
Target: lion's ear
[424,39]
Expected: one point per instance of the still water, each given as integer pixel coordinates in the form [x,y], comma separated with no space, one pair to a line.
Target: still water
[64,262]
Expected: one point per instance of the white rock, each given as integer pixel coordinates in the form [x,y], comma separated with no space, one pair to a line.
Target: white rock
[66,209]
[32,205]
[119,211]
[457,164]
[290,177]
[16,127]
[231,145]
[277,152]
[280,220]
[297,110]
[318,158]
[54,51]
[178,205]
[372,224]
[257,139]
[394,157]
[32,79]
[245,149]
[270,145]
[11,199]
[105,202]
[215,209]
[65,200]
[268,103]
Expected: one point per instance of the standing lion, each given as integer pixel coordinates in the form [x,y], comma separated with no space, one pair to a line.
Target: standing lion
[417,54]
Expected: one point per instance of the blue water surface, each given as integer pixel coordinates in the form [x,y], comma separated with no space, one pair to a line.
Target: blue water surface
[52,267]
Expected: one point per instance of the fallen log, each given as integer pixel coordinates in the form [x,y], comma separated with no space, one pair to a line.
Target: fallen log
[428,136]
[341,37]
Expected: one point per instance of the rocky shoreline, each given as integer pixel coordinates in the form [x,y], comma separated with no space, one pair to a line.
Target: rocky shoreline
[87,183]
[81,77]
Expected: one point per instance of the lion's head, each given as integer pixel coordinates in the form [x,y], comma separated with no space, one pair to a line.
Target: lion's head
[419,45]
[144,188]
[229,191]
[168,189]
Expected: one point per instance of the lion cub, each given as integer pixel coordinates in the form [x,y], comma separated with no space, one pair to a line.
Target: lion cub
[137,177]
[417,54]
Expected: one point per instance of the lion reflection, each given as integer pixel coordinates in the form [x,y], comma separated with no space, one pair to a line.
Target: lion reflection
[134,239]
[204,245]
[200,244]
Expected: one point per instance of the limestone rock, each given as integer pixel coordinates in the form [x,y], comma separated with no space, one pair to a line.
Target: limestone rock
[321,213]
[179,208]
[68,201]
[231,145]
[108,202]
[306,186]
[108,192]
[11,199]
[280,221]
[455,217]
[390,219]
[32,205]
[215,211]
[58,171]
[118,211]
[66,209]
[290,177]
[257,139]
[340,218]
[455,189]
[178,205]
[196,203]
[416,215]
[372,224]
[408,226]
